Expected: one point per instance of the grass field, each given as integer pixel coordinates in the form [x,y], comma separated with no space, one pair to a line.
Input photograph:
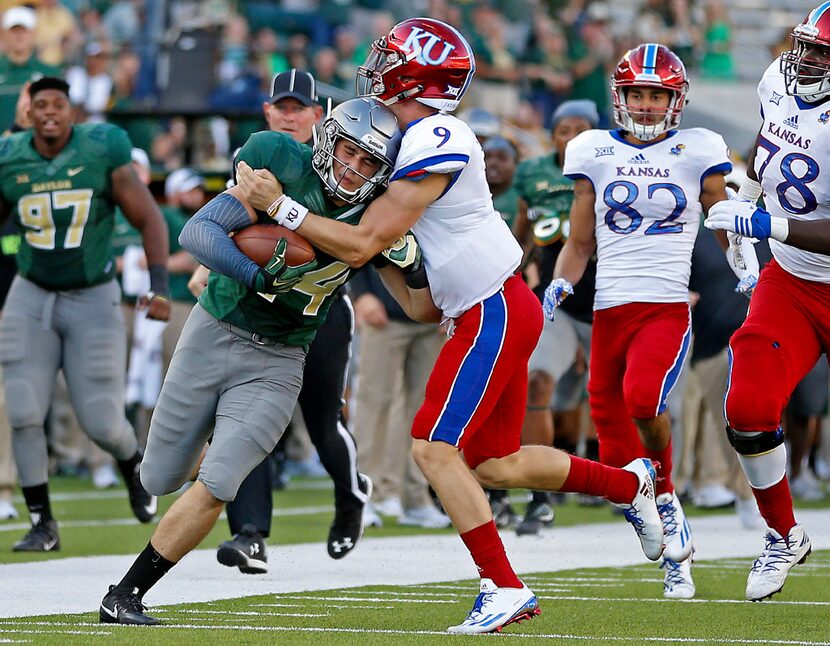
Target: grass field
[620,605]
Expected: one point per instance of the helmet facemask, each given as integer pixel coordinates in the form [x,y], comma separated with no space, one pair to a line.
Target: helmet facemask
[805,76]
[370,75]
[323,162]
[623,114]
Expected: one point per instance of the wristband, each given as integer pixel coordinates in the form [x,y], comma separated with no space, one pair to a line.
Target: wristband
[158,280]
[750,190]
[287,212]
[275,206]
[779,228]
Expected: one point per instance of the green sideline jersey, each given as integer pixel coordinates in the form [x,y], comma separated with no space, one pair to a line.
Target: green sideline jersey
[548,195]
[64,205]
[507,204]
[295,317]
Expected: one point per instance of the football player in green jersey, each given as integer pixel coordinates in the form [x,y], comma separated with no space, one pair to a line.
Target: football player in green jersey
[62,181]
[239,361]
[558,365]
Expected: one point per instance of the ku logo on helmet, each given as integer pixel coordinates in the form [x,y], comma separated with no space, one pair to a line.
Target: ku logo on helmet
[422,42]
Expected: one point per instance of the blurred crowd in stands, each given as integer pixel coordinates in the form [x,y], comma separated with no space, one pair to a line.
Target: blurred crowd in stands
[128,59]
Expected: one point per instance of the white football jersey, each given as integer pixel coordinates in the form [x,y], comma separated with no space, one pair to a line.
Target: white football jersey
[647,209]
[468,249]
[793,145]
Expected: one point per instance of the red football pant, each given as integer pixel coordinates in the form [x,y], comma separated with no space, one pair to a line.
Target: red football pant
[786,331]
[637,352]
[476,395]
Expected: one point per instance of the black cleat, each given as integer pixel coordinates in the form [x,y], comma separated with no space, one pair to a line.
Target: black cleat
[124,607]
[144,505]
[537,515]
[347,528]
[42,537]
[503,513]
[247,551]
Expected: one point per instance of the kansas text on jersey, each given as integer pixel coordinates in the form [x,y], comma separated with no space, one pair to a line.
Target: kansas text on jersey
[647,209]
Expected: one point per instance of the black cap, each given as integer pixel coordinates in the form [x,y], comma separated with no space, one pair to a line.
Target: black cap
[295,84]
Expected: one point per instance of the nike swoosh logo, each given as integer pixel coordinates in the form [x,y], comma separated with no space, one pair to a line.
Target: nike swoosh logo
[111,613]
[153,506]
[50,545]
[71,172]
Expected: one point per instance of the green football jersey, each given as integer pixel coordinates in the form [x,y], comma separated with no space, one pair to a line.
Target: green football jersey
[507,204]
[295,317]
[64,205]
[548,194]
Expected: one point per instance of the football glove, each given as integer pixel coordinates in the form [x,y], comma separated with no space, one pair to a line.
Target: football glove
[746,219]
[744,262]
[405,254]
[558,290]
[276,277]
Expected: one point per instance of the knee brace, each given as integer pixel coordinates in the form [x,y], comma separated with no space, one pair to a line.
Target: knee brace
[754,442]
[761,454]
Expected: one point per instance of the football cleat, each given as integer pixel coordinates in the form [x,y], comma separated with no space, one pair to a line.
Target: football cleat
[503,513]
[677,579]
[537,515]
[495,608]
[642,511]
[348,525]
[427,516]
[676,530]
[247,551]
[120,606]
[42,537]
[144,505]
[770,569]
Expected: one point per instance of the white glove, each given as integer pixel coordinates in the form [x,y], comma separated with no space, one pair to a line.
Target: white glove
[747,219]
[743,260]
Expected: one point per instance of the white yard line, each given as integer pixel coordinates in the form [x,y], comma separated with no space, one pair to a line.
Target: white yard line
[77,584]
[112,522]
[508,635]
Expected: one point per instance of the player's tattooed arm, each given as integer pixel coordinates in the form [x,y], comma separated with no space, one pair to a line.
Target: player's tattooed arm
[582,241]
[141,211]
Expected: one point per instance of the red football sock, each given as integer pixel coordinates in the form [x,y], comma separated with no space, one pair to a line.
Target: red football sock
[487,551]
[587,476]
[664,483]
[776,506]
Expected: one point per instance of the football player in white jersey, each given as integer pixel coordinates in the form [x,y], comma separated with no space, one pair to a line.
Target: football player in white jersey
[476,394]
[639,195]
[788,327]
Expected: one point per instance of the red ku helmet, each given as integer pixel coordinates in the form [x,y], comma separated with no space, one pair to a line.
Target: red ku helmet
[435,60]
[649,65]
[806,67]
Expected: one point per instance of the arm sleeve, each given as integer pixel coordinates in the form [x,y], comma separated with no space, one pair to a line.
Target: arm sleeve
[205,236]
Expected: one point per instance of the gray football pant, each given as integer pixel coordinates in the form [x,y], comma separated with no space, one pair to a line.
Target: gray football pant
[81,331]
[250,390]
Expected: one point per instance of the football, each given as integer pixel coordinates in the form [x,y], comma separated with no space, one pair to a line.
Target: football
[258,241]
